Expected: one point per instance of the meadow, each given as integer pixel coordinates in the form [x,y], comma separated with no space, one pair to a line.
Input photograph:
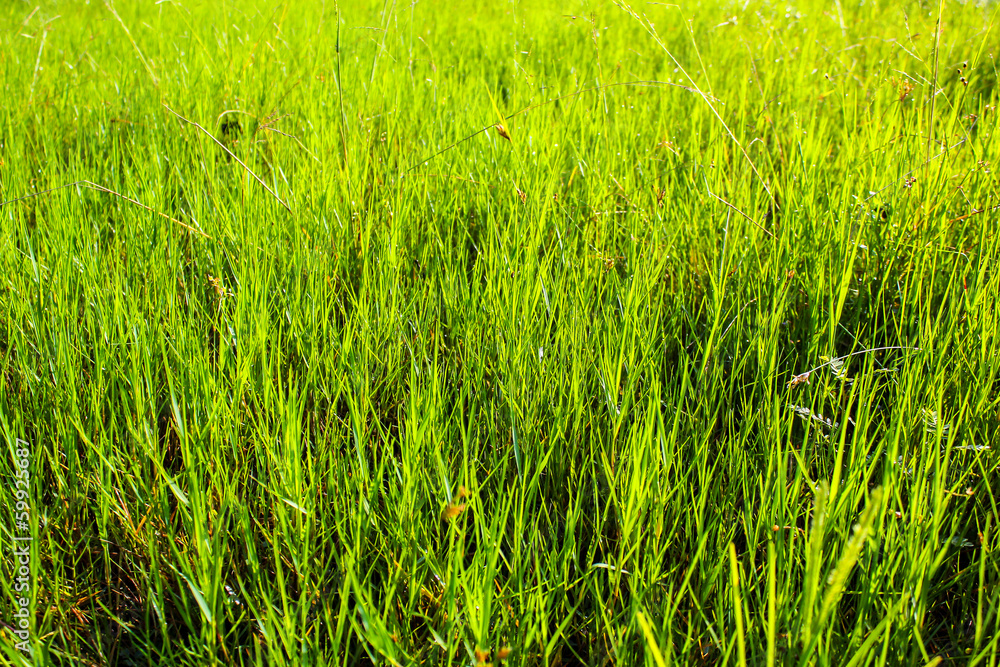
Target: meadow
[466,333]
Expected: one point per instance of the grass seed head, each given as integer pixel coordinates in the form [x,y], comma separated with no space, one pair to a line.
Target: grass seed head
[802,378]
[903,89]
[502,131]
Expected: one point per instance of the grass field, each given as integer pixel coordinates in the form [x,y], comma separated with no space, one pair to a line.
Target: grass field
[529,334]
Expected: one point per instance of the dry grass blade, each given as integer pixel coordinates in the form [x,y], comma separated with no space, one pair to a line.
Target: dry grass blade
[101,188]
[232,155]
[128,33]
[752,221]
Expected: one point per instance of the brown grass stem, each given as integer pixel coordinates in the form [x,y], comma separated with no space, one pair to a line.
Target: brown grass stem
[101,188]
[232,155]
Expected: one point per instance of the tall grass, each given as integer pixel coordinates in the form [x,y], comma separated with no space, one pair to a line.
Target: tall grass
[697,364]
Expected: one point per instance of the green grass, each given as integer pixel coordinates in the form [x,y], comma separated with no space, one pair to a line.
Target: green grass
[466,393]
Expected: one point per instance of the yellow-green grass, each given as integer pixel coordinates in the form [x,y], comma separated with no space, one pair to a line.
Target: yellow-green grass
[695,361]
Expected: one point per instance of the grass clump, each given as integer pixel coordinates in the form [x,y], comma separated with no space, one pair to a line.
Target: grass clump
[550,334]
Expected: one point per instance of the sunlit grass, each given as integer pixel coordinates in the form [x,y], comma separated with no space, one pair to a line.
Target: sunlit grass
[693,361]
